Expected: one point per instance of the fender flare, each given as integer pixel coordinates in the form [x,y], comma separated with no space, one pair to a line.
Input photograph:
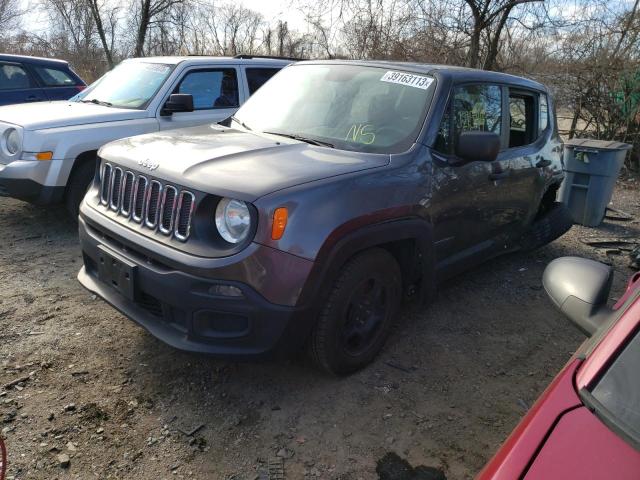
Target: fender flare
[334,253]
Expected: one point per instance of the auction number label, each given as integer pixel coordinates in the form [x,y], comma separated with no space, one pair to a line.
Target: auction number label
[408,79]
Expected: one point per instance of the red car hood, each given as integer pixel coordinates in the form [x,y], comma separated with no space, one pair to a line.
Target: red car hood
[582,447]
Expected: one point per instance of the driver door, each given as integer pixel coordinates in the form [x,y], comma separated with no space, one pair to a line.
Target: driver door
[216,96]
[467,205]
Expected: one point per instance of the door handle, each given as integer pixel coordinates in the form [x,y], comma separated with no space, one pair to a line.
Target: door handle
[543,162]
[499,175]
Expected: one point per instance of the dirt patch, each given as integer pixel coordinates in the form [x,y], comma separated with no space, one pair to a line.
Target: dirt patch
[452,382]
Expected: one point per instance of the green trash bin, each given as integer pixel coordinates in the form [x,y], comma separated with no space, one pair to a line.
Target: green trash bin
[591,169]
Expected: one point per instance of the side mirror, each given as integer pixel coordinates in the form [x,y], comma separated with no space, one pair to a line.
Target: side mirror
[178,102]
[476,146]
[580,289]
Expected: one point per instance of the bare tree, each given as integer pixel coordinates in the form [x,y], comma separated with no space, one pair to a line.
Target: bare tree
[148,14]
[489,17]
[10,14]
[105,20]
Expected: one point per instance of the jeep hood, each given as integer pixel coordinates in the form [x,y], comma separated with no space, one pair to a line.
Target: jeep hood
[39,115]
[234,163]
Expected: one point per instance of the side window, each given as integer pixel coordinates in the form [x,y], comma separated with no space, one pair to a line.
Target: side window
[256,77]
[522,125]
[543,122]
[53,77]
[13,77]
[475,107]
[211,88]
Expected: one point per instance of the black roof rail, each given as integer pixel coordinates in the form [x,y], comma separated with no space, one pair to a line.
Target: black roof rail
[274,57]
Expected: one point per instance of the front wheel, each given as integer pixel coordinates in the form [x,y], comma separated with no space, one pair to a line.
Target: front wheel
[358,314]
[77,187]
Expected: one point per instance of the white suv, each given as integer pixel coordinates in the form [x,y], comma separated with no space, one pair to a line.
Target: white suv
[48,150]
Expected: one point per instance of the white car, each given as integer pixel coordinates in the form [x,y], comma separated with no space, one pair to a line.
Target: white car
[48,149]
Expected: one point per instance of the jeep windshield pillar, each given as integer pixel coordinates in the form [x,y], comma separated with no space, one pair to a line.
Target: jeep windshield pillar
[337,190]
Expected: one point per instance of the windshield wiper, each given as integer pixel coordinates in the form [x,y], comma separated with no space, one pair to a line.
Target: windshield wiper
[302,138]
[244,125]
[98,102]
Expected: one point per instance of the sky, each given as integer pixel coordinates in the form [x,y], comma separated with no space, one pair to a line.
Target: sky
[272,10]
[285,10]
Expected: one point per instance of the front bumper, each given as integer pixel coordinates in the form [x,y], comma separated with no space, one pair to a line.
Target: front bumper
[28,181]
[177,306]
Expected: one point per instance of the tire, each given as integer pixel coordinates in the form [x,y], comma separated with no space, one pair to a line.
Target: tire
[554,223]
[77,187]
[359,312]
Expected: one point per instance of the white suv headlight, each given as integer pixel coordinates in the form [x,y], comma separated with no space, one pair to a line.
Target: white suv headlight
[12,141]
[233,220]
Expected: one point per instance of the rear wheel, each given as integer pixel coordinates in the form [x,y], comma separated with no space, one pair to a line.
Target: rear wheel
[78,185]
[359,313]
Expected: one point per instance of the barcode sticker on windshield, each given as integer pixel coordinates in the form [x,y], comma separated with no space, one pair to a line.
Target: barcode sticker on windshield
[408,79]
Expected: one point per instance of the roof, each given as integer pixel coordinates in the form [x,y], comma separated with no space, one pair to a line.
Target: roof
[198,59]
[5,57]
[455,73]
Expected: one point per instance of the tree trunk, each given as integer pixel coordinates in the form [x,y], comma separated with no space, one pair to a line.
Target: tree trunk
[492,53]
[473,57]
[95,11]
[143,26]
[574,121]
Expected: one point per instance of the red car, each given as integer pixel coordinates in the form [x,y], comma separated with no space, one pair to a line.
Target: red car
[586,424]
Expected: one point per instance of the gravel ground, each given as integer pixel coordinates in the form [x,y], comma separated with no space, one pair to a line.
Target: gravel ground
[99,397]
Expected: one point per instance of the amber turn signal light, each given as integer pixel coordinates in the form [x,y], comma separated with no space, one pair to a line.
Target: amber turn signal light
[280,217]
[44,156]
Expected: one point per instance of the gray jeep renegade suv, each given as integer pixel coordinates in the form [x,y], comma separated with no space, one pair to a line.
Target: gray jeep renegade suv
[338,189]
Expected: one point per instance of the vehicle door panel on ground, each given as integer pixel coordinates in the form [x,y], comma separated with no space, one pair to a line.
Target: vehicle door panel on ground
[467,198]
[17,85]
[216,96]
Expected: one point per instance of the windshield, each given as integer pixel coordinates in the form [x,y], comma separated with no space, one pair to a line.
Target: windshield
[618,391]
[351,107]
[129,85]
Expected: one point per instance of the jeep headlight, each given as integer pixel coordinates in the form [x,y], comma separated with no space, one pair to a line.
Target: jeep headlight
[12,141]
[233,220]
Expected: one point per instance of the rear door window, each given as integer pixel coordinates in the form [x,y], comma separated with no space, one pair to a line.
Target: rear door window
[211,88]
[474,108]
[14,77]
[54,77]
[256,77]
[522,120]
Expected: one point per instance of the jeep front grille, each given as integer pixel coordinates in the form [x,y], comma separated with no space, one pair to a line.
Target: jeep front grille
[168,209]
[116,188]
[150,203]
[127,193]
[138,198]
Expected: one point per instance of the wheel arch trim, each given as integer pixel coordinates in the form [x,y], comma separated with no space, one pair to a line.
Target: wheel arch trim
[335,253]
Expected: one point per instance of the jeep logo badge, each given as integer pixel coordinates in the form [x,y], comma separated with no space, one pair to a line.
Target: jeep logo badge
[148,164]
